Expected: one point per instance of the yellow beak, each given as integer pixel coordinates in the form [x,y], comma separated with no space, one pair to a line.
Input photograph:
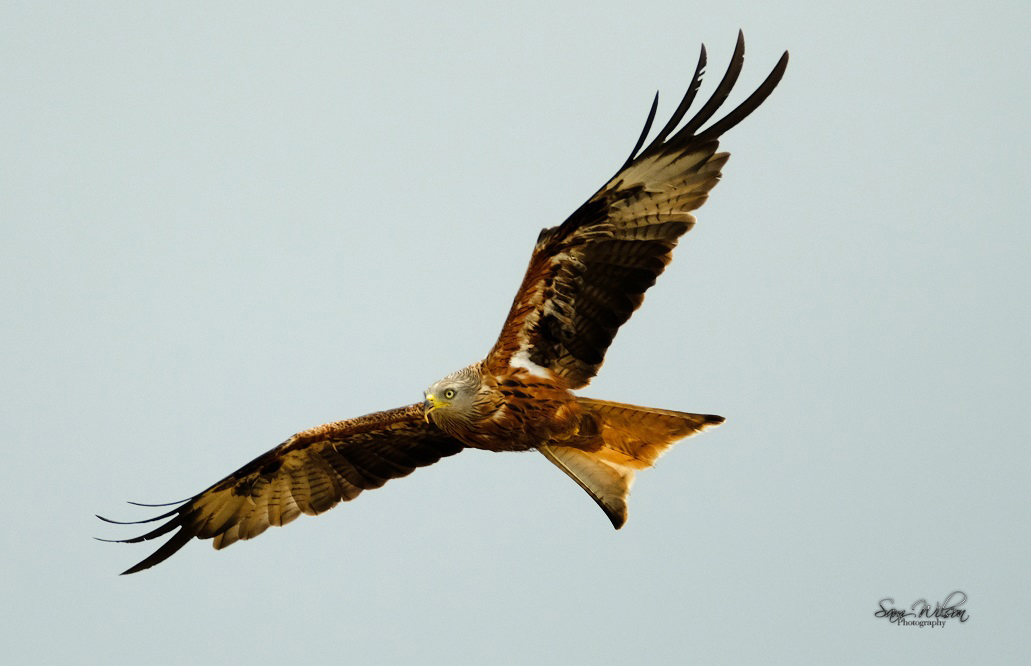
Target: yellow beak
[428,405]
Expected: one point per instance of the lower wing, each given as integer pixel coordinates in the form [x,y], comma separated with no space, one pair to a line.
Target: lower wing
[309,473]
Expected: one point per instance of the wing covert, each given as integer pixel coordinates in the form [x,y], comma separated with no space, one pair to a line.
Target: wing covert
[309,473]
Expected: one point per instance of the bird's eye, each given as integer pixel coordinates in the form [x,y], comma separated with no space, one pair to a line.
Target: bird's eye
[450,393]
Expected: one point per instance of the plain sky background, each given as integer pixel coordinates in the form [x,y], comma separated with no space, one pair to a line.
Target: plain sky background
[224,224]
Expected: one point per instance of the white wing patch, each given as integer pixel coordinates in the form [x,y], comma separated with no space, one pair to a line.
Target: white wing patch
[521,359]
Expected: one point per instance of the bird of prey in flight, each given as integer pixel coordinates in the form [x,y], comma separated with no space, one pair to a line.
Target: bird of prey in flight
[586,277]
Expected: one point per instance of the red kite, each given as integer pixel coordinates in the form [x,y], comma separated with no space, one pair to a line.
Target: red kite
[586,277]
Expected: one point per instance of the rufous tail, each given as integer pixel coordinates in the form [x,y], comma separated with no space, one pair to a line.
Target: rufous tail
[632,438]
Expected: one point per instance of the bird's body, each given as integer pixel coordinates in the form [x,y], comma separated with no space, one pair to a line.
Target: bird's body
[585,278]
[513,411]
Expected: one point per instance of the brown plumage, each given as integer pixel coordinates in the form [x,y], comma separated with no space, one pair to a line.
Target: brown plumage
[585,278]
[309,473]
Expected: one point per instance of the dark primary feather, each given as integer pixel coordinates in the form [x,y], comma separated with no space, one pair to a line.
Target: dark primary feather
[309,473]
[678,115]
[588,275]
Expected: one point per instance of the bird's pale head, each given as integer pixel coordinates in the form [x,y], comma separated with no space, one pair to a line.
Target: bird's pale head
[453,398]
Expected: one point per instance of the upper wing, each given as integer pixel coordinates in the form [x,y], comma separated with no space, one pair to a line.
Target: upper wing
[309,473]
[587,275]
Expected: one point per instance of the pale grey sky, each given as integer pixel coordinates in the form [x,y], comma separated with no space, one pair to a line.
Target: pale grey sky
[222,225]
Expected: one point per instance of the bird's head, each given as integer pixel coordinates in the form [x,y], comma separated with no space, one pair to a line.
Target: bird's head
[452,398]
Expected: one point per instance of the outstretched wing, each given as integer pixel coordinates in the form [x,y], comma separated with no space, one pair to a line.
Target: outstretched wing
[588,275]
[309,473]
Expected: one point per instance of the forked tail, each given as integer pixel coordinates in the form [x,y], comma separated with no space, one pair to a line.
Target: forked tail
[632,438]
